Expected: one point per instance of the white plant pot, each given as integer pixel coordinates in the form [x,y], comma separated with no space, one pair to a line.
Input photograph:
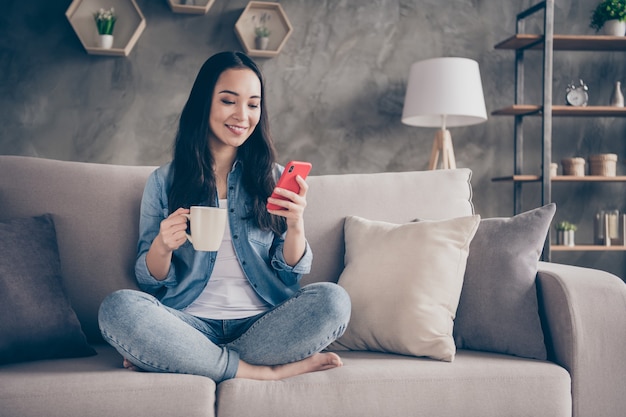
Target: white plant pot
[614,27]
[565,237]
[105,41]
[261,43]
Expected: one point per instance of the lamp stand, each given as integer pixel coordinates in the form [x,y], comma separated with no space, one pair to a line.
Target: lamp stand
[442,145]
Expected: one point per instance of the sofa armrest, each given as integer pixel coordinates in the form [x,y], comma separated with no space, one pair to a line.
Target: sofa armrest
[584,316]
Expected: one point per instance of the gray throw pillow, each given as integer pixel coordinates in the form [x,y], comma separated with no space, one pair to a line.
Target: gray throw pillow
[36,319]
[498,310]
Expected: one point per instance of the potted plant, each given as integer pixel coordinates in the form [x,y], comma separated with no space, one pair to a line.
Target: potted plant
[610,15]
[105,22]
[261,31]
[565,233]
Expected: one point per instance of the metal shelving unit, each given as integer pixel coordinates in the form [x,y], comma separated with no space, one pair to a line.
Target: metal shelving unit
[547,43]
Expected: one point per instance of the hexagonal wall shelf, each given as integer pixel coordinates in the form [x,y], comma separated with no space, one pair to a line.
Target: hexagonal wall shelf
[277,22]
[128,27]
[190,6]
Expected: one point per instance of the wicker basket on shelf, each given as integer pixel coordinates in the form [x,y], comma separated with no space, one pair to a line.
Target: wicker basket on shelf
[573,166]
[603,164]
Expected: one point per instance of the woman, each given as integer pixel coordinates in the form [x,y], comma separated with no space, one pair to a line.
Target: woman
[238,312]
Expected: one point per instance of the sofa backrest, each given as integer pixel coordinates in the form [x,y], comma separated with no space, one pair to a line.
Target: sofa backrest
[96,213]
[95,208]
[395,197]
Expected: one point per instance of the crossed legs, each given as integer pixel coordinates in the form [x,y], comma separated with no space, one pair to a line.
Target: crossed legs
[284,342]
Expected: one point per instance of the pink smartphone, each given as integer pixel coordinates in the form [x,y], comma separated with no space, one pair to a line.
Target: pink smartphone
[288,180]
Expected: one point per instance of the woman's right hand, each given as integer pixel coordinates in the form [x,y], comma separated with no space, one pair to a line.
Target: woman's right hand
[171,236]
[172,230]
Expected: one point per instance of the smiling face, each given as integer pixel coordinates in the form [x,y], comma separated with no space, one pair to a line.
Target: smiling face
[235,109]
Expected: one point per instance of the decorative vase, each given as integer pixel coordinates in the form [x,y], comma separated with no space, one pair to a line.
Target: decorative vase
[565,237]
[261,42]
[105,41]
[617,98]
[614,27]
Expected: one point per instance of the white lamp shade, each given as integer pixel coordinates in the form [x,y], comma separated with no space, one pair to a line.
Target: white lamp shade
[444,92]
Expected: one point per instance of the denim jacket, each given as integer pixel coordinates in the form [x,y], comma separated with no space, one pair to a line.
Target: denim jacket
[260,253]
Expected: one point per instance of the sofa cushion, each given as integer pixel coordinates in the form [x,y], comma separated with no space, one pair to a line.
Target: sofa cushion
[498,311]
[100,386]
[404,282]
[37,319]
[378,384]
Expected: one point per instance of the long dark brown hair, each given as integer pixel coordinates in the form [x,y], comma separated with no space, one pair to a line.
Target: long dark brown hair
[193,179]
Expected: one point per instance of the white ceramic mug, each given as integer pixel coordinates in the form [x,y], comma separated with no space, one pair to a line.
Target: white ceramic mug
[207,226]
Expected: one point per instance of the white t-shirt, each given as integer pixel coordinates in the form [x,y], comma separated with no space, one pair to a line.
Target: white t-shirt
[228,294]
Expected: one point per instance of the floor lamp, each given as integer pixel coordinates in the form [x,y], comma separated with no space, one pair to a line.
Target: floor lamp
[444,92]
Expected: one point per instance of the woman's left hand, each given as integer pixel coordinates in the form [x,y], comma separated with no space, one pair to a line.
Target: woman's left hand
[293,206]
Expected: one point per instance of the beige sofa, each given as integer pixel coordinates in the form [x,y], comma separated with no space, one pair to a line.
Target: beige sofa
[96,209]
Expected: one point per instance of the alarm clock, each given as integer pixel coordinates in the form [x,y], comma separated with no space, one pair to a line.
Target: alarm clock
[576,95]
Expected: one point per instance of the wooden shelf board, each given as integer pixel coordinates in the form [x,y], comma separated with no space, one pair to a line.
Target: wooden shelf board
[560,178]
[518,110]
[561,110]
[588,178]
[589,248]
[518,178]
[565,42]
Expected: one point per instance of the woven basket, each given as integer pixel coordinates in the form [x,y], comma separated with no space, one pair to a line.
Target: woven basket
[603,164]
[573,166]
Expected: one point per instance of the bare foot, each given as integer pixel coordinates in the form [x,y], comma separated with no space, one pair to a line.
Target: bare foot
[317,362]
[128,365]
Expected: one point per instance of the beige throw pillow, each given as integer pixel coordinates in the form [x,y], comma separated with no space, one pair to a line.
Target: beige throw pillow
[404,282]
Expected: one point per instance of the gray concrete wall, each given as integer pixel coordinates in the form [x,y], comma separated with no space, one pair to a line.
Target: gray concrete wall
[335,93]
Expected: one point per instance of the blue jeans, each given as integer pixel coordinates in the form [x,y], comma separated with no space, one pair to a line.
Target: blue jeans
[158,338]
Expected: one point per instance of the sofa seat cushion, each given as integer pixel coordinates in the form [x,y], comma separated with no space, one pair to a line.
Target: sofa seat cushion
[99,386]
[380,384]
